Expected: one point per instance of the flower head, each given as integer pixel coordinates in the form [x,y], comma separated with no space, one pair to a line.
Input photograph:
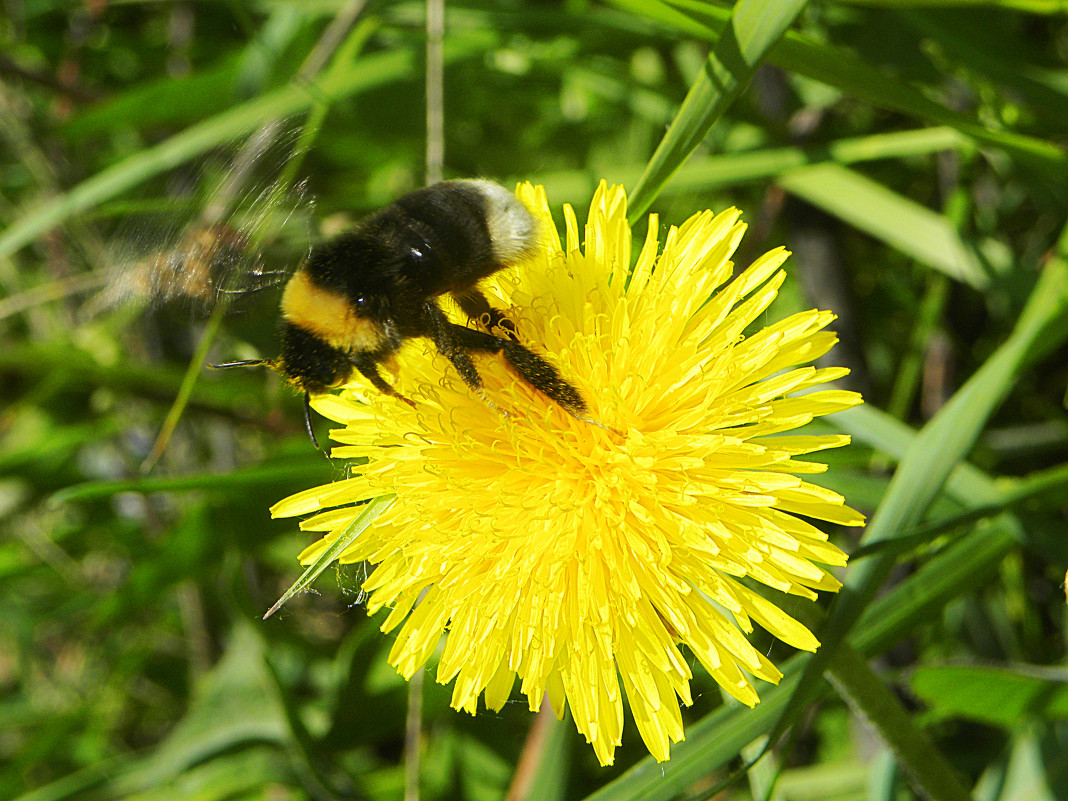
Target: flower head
[574,555]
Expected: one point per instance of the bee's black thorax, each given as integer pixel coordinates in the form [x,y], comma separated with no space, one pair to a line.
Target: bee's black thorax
[360,295]
[433,241]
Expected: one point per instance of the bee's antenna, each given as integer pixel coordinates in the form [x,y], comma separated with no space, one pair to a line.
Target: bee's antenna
[273,365]
[244,363]
[308,422]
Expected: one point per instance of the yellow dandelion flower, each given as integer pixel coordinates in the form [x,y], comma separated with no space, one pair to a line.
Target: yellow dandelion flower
[574,556]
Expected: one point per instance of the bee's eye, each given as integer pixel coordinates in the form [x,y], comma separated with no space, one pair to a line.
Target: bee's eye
[328,375]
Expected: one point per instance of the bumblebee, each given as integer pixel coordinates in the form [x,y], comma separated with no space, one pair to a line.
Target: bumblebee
[358,296]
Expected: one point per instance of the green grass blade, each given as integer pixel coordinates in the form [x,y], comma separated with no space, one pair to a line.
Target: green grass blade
[82,370]
[301,472]
[1051,484]
[939,447]
[353,44]
[368,72]
[905,225]
[1000,695]
[548,774]
[852,76]
[754,27]
[864,82]
[914,750]
[237,703]
[733,169]
[1032,6]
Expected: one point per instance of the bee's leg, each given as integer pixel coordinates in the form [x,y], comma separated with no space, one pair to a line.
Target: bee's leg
[368,367]
[444,335]
[456,340]
[544,377]
[307,420]
[476,307]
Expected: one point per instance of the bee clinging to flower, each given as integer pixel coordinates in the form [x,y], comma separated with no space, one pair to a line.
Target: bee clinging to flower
[360,295]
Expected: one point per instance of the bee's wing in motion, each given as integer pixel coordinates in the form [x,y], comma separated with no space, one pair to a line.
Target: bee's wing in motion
[203,246]
[209,245]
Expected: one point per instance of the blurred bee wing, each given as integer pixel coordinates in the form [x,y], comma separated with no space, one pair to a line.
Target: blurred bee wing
[208,258]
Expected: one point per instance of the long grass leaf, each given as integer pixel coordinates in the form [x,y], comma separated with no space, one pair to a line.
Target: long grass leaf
[939,448]
[755,26]
[902,223]
[854,77]
[912,747]
[287,474]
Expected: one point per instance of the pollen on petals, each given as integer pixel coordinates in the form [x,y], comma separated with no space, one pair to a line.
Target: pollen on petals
[590,562]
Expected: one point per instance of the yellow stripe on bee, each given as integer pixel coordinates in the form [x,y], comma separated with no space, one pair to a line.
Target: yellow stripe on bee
[328,315]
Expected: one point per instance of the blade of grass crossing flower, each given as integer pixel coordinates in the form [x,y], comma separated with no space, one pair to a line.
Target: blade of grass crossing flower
[938,448]
[755,26]
[370,513]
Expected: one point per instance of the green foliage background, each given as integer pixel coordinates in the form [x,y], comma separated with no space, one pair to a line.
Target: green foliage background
[910,153]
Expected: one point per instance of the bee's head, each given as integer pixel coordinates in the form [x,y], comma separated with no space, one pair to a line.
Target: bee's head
[307,362]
